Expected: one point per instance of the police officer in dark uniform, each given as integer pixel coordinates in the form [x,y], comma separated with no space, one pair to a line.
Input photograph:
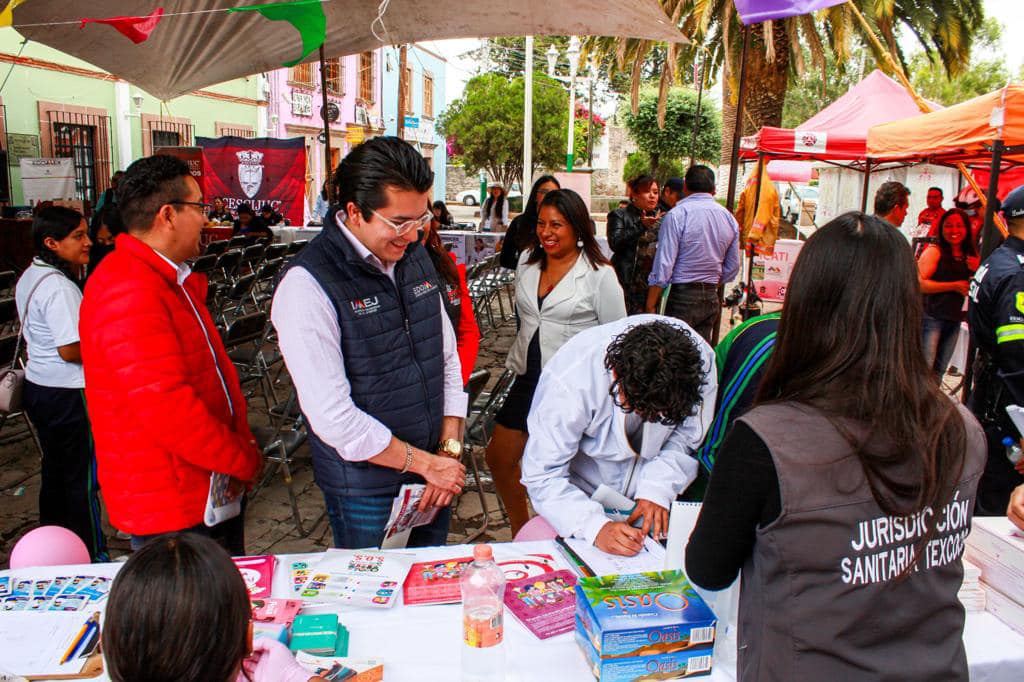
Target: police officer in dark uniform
[996,318]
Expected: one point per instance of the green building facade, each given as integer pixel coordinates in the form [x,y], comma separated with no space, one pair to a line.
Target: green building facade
[54,105]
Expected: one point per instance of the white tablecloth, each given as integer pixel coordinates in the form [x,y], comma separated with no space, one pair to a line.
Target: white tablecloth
[423,642]
[287,235]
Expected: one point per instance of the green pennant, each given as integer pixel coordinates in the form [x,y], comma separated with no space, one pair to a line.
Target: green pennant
[307,16]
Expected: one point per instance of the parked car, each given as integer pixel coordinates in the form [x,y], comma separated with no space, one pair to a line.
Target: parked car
[471,197]
[797,200]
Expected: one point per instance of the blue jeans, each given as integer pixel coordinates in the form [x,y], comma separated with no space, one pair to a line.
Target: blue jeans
[357,522]
[939,340]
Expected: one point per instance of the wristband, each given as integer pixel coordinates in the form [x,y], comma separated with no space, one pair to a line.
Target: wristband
[408,459]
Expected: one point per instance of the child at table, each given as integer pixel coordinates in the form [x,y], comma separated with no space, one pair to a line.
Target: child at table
[179,612]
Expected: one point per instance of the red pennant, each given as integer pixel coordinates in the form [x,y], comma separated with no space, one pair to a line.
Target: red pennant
[136,29]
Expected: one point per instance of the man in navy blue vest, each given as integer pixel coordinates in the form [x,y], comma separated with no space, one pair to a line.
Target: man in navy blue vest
[361,324]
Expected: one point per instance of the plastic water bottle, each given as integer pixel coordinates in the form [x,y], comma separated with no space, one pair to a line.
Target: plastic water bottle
[483,614]
[1013,451]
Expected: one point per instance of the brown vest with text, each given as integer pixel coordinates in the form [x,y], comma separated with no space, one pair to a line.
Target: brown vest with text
[821,596]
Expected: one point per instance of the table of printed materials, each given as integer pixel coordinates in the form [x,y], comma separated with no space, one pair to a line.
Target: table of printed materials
[390,620]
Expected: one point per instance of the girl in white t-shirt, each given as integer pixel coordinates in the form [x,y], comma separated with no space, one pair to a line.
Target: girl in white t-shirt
[48,298]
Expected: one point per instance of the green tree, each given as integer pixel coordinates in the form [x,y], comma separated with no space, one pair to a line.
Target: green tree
[987,70]
[673,141]
[639,163]
[485,126]
[944,29]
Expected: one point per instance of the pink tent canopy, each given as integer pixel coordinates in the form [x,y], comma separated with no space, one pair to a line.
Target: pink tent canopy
[838,132]
[790,171]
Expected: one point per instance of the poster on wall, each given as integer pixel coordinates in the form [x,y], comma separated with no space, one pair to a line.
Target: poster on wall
[771,273]
[47,179]
[193,156]
[259,171]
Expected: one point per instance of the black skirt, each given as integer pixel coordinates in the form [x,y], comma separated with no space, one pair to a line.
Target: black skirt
[516,408]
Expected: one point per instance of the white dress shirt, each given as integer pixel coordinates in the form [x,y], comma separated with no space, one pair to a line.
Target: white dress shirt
[310,340]
[580,439]
[52,323]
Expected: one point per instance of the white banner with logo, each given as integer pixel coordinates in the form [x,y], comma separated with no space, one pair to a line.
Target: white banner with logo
[47,179]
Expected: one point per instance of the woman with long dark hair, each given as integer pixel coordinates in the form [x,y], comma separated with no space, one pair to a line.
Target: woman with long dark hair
[179,612]
[564,286]
[633,238]
[844,496]
[522,233]
[48,296]
[457,302]
[106,225]
[945,270]
[442,218]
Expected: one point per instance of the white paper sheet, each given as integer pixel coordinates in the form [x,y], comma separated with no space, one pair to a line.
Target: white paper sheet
[650,558]
[34,643]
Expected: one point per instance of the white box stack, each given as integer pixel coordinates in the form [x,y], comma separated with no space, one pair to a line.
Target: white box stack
[996,547]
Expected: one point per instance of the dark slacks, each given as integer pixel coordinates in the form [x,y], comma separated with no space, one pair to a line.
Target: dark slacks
[698,305]
[68,492]
[229,534]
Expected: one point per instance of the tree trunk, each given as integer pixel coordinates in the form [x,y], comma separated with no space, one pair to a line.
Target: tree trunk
[766,86]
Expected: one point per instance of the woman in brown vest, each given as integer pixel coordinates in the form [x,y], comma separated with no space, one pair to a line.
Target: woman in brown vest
[845,494]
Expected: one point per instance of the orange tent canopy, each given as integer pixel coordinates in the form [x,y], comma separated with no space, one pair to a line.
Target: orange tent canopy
[964,132]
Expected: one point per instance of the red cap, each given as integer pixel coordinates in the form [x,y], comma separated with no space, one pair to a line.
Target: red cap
[482,553]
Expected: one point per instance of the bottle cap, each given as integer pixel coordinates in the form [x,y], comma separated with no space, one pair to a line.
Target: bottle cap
[1007,442]
[482,553]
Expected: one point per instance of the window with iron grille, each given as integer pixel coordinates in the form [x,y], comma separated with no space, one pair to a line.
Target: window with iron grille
[335,77]
[166,138]
[78,142]
[237,132]
[366,76]
[301,74]
[428,95]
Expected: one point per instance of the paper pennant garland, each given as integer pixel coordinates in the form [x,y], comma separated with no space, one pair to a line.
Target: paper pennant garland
[136,29]
[7,15]
[307,16]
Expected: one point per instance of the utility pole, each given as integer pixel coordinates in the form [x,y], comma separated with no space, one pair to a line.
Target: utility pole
[327,128]
[590,119]
[528,120]
[403,89]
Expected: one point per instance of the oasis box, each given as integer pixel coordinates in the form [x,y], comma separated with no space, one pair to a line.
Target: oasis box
[643,614]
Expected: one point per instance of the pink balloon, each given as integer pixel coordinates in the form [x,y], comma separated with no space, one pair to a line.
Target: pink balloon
[49,546]
[536,528]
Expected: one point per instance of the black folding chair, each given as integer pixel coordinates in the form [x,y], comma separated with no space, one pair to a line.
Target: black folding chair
[239,241]
[237,293]
[205,264]
[266,277]
[279,445]
[8,317]
[474,387]
[8,278]
[227,264]
[296,246]
[216,248]
[8,344]
[243,341]
[275,251]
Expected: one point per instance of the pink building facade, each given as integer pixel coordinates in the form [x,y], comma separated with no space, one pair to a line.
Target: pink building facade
[295,100]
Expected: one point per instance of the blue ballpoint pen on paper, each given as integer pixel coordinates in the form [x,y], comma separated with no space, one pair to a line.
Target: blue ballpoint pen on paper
[83,636]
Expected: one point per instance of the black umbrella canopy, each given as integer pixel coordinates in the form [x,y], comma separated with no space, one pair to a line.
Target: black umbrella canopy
[193,47]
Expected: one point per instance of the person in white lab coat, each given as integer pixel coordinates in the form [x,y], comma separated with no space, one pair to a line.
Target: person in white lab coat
[625,404]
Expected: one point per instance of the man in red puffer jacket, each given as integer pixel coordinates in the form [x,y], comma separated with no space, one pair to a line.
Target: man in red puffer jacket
[163,397]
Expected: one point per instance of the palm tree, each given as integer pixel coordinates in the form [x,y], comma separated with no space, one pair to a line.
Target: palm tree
[944,28]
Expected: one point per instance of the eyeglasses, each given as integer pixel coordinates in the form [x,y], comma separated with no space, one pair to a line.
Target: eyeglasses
[402,228]
[202,205]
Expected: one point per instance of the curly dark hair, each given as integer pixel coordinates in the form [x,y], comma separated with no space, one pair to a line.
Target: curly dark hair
[658,372]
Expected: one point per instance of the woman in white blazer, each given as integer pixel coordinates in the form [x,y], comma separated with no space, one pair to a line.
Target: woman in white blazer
[563,286]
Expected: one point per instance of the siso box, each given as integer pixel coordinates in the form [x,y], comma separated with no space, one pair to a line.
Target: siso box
[667,666]
[643,614]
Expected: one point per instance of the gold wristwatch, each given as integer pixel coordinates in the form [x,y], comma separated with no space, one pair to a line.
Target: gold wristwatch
[450,448]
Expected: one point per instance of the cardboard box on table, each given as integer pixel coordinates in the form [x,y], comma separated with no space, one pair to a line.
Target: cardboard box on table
[654,623]
[995,547]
